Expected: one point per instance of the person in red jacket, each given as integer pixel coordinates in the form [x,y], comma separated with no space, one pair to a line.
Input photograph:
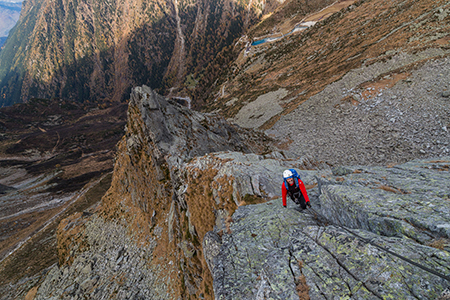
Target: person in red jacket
[295,189]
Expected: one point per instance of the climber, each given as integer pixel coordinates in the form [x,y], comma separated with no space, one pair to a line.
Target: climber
[294,186]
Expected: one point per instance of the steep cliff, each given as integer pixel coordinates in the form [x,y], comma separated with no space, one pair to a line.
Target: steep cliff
[187,216]
[149,200]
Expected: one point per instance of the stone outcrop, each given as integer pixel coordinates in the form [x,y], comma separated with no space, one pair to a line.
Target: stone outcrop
[410,200]
[157,201]
[194,212]
[268,249]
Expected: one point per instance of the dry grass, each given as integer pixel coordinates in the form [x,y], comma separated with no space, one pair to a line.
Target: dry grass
[71,235]
[202,207]
[35,219]
[98,161]
[390,189]
[302,287]
[288,15]
[307,62]
[284,144]
[444,168]
[310,186]
[372,88]
[439,243]
[31,293]
[137,170]
[40,251]
[325,13]
[252,199]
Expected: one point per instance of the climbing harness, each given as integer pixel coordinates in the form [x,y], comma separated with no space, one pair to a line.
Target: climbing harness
[322,219]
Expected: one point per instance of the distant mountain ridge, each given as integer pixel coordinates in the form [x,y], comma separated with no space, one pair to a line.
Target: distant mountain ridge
[9,15]
[80,50]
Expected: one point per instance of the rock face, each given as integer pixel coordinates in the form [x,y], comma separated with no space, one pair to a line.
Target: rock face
[156,200]
[112,254]
[189,216]
[269,249]
[408,200]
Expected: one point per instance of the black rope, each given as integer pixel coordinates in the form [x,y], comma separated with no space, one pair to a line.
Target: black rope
[317,215]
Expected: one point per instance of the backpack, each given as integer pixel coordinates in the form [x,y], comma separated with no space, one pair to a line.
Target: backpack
[295,175]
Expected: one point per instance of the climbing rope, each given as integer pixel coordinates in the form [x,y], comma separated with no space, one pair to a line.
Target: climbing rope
[317,216]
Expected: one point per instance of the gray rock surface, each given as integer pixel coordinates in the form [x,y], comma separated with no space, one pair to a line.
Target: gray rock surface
[262,256]
[180,133]
[406,121]
[403,209]
[113,266]
[410,200]
[259,175]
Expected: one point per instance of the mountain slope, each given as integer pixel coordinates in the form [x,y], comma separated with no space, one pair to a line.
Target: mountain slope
[359,35]
[56,158]
[89,50]
[370,74]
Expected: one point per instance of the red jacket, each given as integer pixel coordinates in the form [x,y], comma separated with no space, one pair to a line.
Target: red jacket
[301,185]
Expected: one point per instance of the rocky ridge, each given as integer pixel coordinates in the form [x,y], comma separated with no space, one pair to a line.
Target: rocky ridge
[190,226]
[148,199]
